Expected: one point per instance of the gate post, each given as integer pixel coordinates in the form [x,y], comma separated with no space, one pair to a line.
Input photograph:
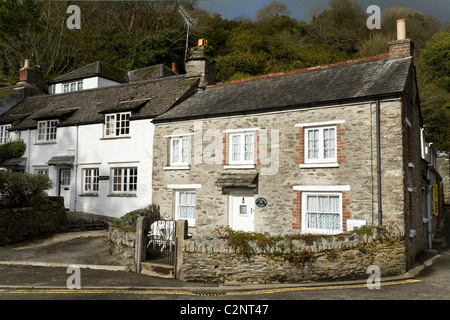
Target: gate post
[141,236]
[181,234]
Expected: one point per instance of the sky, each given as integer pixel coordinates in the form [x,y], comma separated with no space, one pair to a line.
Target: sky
[230,9]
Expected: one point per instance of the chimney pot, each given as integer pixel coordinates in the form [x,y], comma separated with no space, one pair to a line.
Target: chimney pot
[27,64]
[401,29]
[174,66]
[202,42]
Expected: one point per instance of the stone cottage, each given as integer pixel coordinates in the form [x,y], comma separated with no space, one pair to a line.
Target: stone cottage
[321,150]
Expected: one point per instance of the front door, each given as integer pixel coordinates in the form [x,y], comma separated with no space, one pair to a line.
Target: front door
[64,186]
[242,210]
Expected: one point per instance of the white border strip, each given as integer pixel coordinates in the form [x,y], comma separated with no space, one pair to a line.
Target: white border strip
[179,135]
[184,186]
[322,188]
[318,124]
[239,130]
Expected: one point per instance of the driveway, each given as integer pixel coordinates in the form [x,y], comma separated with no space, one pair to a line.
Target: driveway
[81,248]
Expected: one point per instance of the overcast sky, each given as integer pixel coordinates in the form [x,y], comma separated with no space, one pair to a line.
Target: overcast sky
[230,9]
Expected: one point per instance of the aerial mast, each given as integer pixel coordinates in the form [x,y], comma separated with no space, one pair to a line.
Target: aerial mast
[189,22]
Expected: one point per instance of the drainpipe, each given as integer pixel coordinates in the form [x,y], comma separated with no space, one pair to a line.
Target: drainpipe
[29,152]
[380,208]
[76,172]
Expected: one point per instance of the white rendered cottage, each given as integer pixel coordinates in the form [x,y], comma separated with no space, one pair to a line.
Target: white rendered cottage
[93,135]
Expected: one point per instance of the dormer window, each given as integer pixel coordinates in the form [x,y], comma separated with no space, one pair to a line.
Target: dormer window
[73,86]
[47,130]
[117,124]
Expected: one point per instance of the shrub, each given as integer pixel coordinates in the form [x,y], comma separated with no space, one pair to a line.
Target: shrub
[11,150]
[23,189]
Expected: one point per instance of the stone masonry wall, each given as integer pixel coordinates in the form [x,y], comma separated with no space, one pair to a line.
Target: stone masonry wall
[28,223]
[443,166]
[277,153]
[122,246]
[332,258]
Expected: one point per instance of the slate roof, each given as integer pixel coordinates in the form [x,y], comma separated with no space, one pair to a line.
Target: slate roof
[153,72]
[108,71]
[147,99]
[341,82]
[98,68]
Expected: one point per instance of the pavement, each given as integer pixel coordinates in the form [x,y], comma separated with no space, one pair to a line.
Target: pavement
[44,263]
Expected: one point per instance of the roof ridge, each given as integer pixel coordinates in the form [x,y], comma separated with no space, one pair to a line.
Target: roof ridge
[296,71]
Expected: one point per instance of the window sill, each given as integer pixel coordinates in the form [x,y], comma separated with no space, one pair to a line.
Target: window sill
[44,142]
[319,165]
[176,168]
[115,138]
[88,195]
[240,166]
[122,195]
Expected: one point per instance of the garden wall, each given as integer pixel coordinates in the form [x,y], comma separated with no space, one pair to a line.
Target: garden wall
[330,258]
[20,224]
[122,246]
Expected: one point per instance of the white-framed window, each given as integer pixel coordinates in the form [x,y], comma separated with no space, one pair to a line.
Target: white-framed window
[124,180]
[65,178]
[185,206]
[320,144]
[46,130]
[90,180]
[241,148]
[41,171]
[179,151]
[322,212]
[73,86]
[117,124]
[4,133]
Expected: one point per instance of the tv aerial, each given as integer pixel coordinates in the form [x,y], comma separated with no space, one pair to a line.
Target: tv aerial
[189,22]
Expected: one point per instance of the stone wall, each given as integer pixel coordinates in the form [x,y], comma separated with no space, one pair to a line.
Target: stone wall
[332,258]
[443,167]
[278,152]
[20,224]
[123,246]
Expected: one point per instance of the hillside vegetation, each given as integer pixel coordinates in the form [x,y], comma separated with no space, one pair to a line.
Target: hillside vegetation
[134,35]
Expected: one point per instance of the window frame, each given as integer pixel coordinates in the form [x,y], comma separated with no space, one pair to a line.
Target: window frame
[43,171]
[321,158]
[93,180]
[4,133]
[113,127]
[177,205]
[304,215]
[72,86]
[180,152]
[49,128]
[242,145]
[124,184]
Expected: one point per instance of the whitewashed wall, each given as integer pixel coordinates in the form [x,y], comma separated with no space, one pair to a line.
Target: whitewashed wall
[91,150]
[88,83]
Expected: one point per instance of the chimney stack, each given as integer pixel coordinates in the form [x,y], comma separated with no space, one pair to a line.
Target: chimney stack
[197,66]
[31,75]
[402,47]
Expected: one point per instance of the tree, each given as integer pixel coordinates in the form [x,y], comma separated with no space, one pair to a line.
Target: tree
[434,84]
[272,11]
[435,60]
[342,25]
